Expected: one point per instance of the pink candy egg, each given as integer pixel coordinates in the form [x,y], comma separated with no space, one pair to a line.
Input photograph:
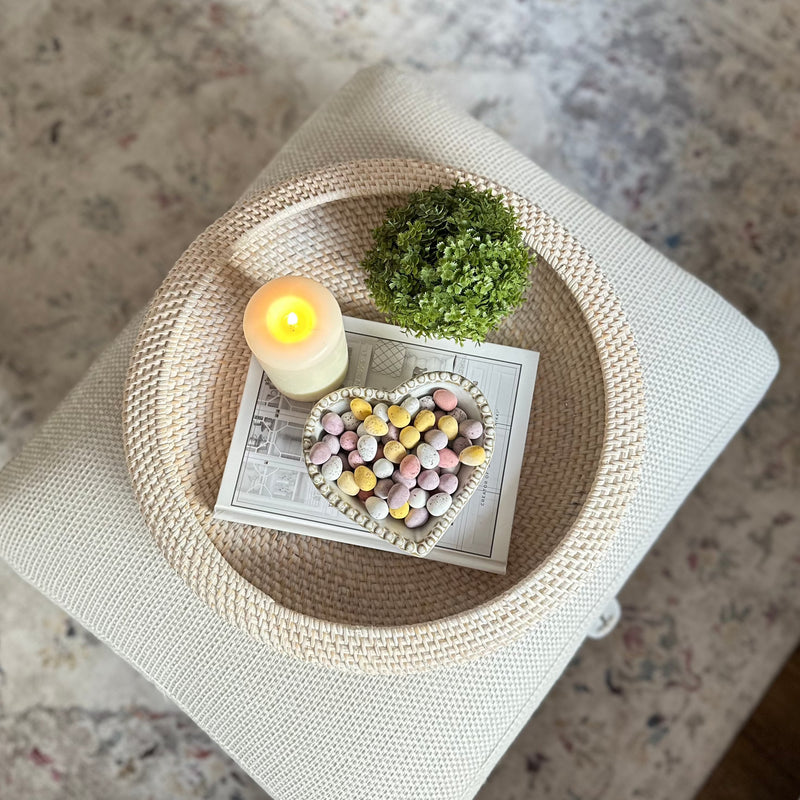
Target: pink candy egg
[445,399]
[447,458]
[354,459]
[410,467]
[349,440]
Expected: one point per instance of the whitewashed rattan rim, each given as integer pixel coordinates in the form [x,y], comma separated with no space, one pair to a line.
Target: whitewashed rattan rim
[178,527]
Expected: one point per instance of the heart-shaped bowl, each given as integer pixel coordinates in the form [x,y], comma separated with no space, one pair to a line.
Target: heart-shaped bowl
[416,541]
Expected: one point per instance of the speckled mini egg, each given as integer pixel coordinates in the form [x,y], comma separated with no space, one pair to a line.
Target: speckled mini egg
[394,452]
[355,459]
[418,497]
[400,513]
[447,483]
[332,423]
[436,439]
[332,442]
[438,504]
[319,453]
[472,456]
[398,496]
[428,456]
[399,416]
[445,399]
[471,429]
[377,507]
[381,410]
[350,421]
[458,414]
[375,426]
[447,459]
[365,478]
[383,487]
[410,404]
[448,426]
[383,468]
[410,466]
[332,468]
[409,437]
[367,447]
[416,518]
[360,408]
[349,441]
[425,420]
[347,483]
[428,479]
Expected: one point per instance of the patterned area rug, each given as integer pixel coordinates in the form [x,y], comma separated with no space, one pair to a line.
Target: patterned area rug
[125,129]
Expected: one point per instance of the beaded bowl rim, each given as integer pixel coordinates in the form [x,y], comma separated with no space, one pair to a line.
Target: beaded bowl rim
[433,529]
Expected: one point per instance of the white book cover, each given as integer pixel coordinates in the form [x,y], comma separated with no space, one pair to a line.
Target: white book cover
[265,481]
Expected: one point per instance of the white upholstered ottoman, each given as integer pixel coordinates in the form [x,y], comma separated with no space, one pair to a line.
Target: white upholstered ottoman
[70,524]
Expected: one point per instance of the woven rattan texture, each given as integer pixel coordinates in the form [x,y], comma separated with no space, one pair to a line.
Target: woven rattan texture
[351,607]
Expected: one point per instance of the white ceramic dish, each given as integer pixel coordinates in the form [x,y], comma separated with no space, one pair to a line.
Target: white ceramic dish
[417,541]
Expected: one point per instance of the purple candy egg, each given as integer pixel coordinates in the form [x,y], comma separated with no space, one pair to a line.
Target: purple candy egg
[332,423]
[319,453]
[417,517]
[428,480]
[398,496]
[436,439]
[354,459]
[392,434]
[383,487]
[458,414]
[471,428]
[332,442]
[400,478]
[459,443]
[448,483]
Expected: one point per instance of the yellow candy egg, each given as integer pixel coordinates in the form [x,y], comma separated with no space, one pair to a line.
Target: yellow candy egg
[347,483]
[394,451]
[448,426]
[400,513]
[409,437]
[472,456]
[399,416]
[424,420]
[365,478]
[361,408]
[375,426]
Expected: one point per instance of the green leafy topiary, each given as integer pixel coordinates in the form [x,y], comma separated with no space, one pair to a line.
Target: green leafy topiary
[452,262]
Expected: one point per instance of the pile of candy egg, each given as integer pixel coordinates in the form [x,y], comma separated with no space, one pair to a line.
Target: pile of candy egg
[400,460]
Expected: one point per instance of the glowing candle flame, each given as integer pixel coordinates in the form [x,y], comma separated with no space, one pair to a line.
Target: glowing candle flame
[291,319]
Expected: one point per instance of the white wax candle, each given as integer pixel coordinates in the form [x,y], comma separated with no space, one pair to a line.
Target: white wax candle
[294,327]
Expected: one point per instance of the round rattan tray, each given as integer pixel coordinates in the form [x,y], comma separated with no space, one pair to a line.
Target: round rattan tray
[349,607]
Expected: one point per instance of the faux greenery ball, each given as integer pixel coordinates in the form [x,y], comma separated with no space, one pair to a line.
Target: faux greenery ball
[452,263]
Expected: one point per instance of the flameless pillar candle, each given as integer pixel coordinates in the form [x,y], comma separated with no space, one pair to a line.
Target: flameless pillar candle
[294,327]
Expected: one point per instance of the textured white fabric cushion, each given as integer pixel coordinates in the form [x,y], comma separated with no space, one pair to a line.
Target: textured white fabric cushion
[70,525]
